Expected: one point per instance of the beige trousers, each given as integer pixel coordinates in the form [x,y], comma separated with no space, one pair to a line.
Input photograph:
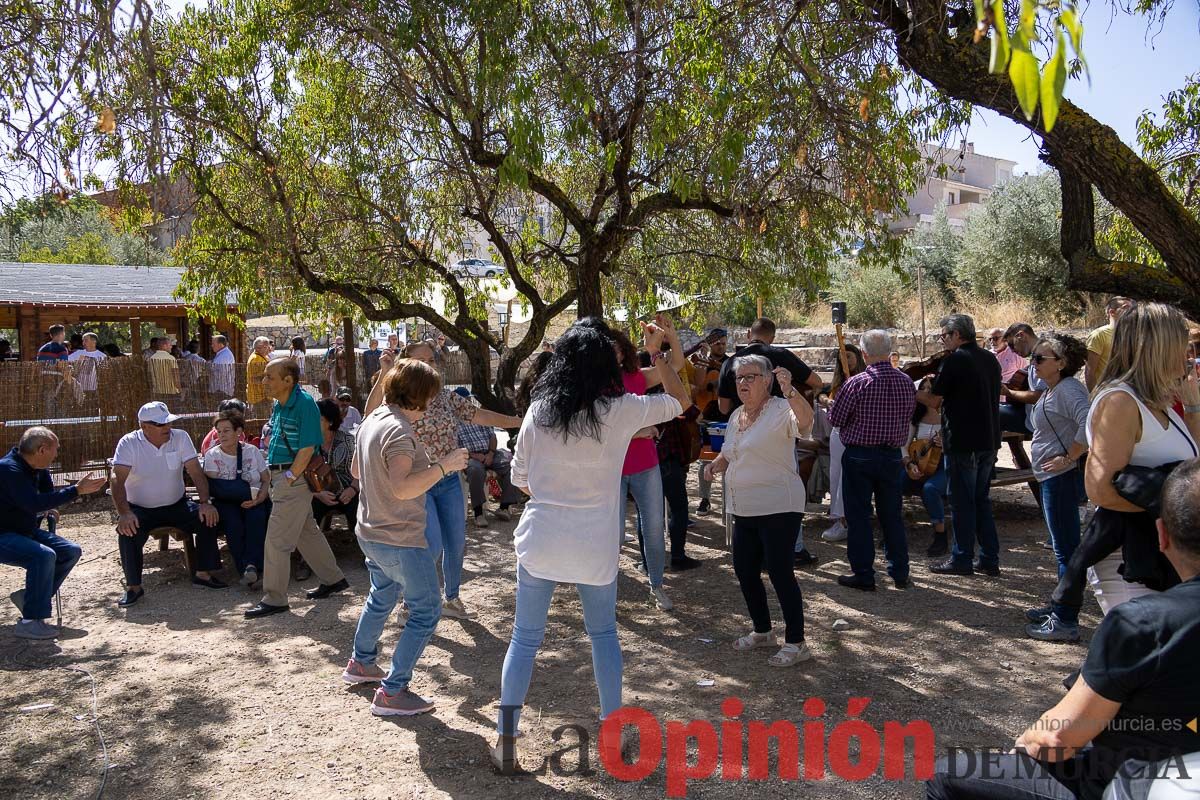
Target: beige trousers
[292,527]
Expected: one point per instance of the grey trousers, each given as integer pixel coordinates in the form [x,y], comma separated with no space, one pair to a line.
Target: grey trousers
[477,480]
[292,527]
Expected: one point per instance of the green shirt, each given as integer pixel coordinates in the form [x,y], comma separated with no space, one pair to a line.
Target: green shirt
[295,425]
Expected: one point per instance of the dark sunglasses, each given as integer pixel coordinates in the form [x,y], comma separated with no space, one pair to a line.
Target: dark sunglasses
[1038,358]
[159,424]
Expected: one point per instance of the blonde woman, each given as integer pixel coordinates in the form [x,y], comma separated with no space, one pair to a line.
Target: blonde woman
[1131,422]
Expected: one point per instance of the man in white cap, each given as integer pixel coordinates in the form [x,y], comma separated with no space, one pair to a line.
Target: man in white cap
[148,492]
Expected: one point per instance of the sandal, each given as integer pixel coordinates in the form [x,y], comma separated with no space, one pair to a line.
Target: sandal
[753,640]
[790,655]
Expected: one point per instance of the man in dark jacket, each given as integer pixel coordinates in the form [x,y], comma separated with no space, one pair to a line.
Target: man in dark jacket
[27,493]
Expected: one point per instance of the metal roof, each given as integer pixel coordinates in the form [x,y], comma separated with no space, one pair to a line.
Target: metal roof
[88,284]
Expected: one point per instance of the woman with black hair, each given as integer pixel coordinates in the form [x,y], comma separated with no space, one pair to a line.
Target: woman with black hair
[338,451]
[572,447]
[640,474]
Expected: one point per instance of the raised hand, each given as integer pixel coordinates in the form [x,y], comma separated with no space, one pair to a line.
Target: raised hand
[784,378]
[652,338]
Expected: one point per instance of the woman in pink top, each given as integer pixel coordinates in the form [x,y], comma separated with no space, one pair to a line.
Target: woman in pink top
[640,475]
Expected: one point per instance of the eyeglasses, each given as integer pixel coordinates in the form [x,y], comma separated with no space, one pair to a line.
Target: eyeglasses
[748,378]
[998,338]
[159,424]
[1038,358]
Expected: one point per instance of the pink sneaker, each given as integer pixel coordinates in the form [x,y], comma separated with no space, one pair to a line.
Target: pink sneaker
[362,673]
[402,704]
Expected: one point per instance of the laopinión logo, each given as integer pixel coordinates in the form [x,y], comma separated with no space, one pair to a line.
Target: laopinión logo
[741,749]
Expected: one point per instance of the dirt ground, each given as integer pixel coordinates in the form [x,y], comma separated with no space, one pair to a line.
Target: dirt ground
[194,701]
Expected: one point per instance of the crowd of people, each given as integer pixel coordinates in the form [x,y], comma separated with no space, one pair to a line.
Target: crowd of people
[602,421]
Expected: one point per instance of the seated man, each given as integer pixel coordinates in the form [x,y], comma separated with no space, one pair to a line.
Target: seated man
[480,443]
[351,416]
[148,493]
[1131,700]
[26,492]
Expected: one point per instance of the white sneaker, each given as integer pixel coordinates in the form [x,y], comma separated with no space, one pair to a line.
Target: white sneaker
[454,609]
[660,598]
[835,533]
[35,629]
[481,520]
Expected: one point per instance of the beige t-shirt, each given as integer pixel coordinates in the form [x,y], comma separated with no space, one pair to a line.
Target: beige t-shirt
[383,439]
[1100,342]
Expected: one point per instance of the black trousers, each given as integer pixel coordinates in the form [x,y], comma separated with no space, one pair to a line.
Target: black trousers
[769,540]
[674,482]
[182,514]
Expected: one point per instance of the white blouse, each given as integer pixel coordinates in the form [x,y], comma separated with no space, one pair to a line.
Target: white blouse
[762,477]
[571,527]
[219,464]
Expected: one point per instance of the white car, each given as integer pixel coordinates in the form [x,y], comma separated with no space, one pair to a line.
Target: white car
[476,268]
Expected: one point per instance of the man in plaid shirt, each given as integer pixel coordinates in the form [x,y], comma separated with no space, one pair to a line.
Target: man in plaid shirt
[480,443]
[873,413]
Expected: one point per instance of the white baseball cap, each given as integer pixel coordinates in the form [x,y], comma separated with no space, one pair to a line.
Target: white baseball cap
[156,412]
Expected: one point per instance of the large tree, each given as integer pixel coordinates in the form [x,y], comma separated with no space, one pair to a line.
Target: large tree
[342,148]
[937,40]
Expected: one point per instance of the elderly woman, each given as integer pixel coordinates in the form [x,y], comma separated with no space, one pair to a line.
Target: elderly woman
[1059,422]
[337,448]
[445,503]
[1131,423]
[572,445]
[240,485]
[766,498]
[396,470]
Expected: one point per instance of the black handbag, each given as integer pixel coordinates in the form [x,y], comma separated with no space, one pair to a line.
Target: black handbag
[231,490]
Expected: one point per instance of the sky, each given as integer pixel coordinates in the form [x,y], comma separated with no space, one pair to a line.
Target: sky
[1133,67]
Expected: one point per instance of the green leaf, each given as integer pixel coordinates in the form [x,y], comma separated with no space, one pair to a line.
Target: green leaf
[1071,22]
[1000,49]
[1054,78]
[1025,26]
[1023,71]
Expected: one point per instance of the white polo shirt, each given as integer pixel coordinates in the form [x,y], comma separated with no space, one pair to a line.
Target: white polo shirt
[155,473]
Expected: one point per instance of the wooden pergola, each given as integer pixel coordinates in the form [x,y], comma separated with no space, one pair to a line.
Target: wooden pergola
[35,296]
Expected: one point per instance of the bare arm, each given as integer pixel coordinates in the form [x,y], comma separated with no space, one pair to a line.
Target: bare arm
[1119,423]
[930,400]
[494,420]
[410,484]
[300,462]
[1026,397]
[120,501]
[1189,395]
[199,479]
[725,405]
[671,383]
[1077,719]
[1093,370]
[375,399]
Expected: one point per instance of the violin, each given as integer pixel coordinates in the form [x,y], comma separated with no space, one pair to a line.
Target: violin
[926,366]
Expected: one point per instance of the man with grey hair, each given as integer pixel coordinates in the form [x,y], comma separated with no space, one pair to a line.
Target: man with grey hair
[966,389]
[221,371]
[26,495]
[873,411]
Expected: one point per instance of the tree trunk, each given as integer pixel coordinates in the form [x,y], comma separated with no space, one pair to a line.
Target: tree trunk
[590,297]
[1079,144]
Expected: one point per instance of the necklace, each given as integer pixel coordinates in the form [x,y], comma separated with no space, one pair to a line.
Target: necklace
[748,418]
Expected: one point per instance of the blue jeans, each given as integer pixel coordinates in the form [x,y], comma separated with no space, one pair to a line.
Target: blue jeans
[446,529]
[647,490]
[47,560]
[245,532]
[874,472]
[1060,506]
[932,490]
[396,571]
[970,493]
[529,627]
